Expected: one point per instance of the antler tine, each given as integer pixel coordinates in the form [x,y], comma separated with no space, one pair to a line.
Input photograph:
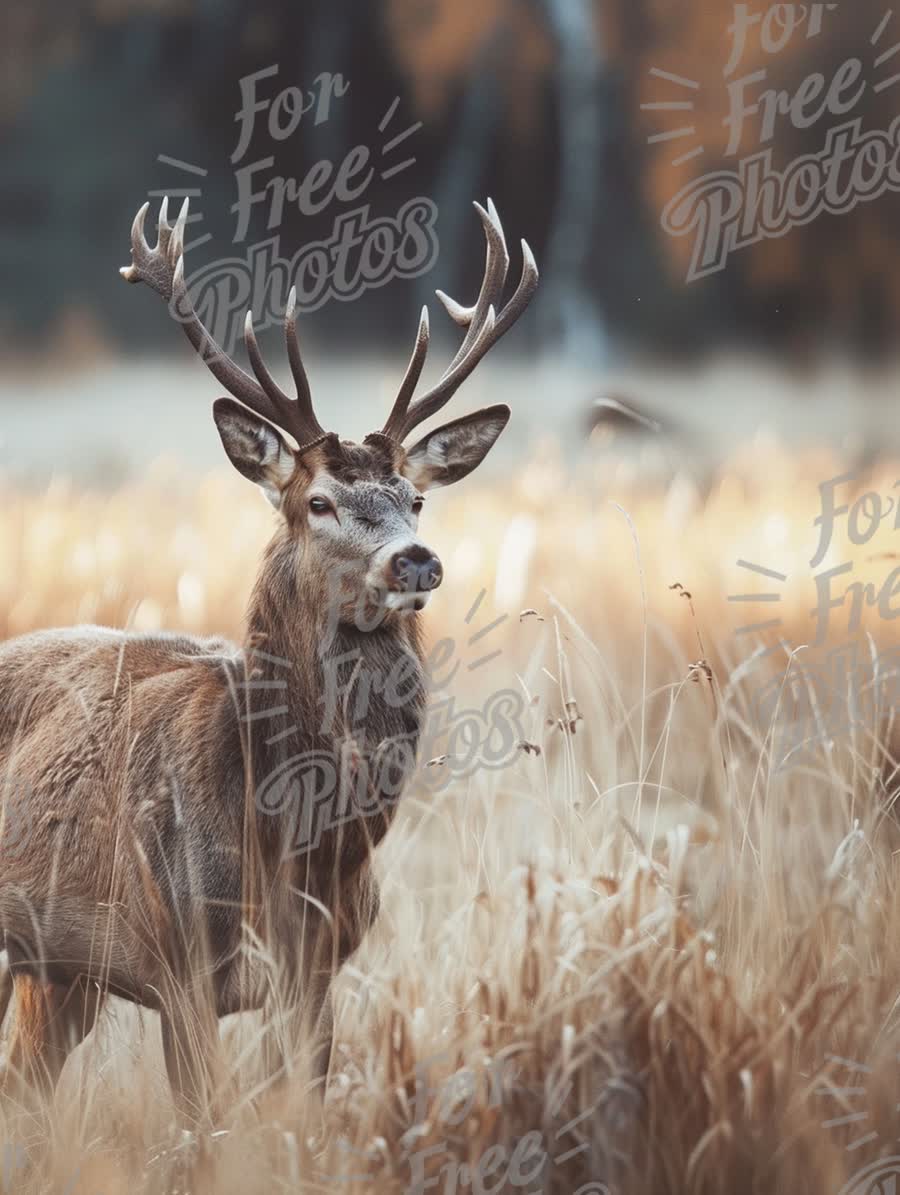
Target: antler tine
[162,268]
[281,403]
[496,264]
[458,312]
[163,227]
[301,382]
[144,266]
[440,395]
[522,295]
[485,322]
[410,378]
[172,240]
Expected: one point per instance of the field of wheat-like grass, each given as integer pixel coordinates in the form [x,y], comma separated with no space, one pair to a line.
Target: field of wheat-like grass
[654,948]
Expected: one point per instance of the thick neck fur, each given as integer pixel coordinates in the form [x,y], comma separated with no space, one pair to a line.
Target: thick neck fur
[333,716]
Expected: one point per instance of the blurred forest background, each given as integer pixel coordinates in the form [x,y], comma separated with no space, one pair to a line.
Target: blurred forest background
[551,107]
[534,102]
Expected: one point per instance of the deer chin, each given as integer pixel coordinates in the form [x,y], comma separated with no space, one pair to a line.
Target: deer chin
[381,602]
[403,601]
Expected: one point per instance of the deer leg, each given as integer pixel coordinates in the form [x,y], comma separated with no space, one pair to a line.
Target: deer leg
[190,1039]
[6,989]
[324,1038]
[294,1018]
[50,1020]
[352,928]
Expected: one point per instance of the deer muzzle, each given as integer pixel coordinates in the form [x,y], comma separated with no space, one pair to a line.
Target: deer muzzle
[415,570]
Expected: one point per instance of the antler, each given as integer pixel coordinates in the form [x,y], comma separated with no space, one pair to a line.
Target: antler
[484,327]
[163,269]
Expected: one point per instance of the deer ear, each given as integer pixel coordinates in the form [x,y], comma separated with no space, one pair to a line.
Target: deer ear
[254,447]
[454,450]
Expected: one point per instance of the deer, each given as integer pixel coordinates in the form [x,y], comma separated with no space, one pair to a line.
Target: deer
[152,801]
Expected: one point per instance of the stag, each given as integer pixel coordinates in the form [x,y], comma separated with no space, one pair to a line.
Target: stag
[144,846]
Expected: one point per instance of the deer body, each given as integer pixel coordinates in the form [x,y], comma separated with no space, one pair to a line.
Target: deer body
[138,764]
[138,741]
[157,839]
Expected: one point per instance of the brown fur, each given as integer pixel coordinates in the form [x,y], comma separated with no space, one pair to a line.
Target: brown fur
[164,781]
[133,853]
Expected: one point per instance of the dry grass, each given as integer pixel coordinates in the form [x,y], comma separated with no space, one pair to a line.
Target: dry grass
[665,961]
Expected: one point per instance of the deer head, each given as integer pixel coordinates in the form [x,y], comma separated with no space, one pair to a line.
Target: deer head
[349,507]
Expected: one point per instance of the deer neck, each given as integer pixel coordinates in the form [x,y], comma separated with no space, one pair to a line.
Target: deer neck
[319,690]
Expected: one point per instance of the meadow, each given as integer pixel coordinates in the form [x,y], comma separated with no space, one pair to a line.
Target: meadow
[652,947]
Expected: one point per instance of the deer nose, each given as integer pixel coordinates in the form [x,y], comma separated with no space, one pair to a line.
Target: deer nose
[417,569]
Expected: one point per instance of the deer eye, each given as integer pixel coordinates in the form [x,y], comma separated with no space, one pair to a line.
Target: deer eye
[319,506]
[417,505]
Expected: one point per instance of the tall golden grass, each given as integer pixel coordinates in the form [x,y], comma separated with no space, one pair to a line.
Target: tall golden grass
[652,954]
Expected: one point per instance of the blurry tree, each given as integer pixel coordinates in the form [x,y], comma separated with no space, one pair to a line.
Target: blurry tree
[536,103]
[833,280]
[581,117]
